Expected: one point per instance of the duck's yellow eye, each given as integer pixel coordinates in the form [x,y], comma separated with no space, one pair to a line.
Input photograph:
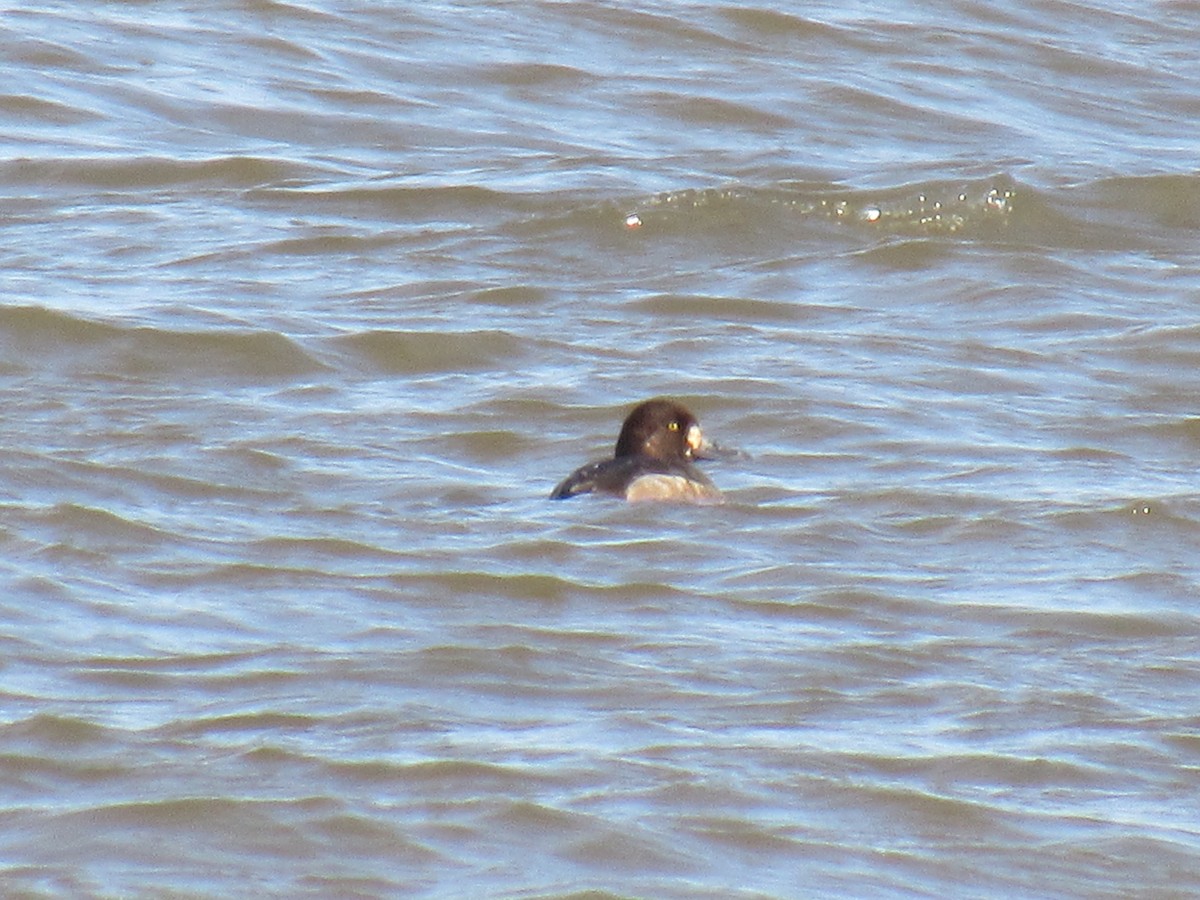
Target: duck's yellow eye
[672,426]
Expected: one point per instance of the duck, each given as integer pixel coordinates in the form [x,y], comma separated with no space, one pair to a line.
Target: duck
[653,460]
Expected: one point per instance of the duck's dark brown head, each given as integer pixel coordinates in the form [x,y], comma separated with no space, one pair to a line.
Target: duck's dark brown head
[663,430]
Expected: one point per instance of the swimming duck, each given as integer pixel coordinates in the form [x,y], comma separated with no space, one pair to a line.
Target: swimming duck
[652,461]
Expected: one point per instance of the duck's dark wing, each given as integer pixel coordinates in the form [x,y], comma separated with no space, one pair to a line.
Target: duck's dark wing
[609,476]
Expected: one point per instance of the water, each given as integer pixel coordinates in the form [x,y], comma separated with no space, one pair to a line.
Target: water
[307,307]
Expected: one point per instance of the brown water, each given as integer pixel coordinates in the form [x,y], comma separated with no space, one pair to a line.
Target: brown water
[307,307]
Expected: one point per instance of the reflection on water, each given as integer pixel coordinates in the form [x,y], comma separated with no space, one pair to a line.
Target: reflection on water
[966,210]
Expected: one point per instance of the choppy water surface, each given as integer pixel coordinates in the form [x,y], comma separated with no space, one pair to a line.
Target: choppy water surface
[306,307]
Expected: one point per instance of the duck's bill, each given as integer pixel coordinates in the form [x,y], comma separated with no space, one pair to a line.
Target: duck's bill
[702,448]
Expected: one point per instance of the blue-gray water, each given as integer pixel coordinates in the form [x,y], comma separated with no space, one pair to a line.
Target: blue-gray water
[305,308]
